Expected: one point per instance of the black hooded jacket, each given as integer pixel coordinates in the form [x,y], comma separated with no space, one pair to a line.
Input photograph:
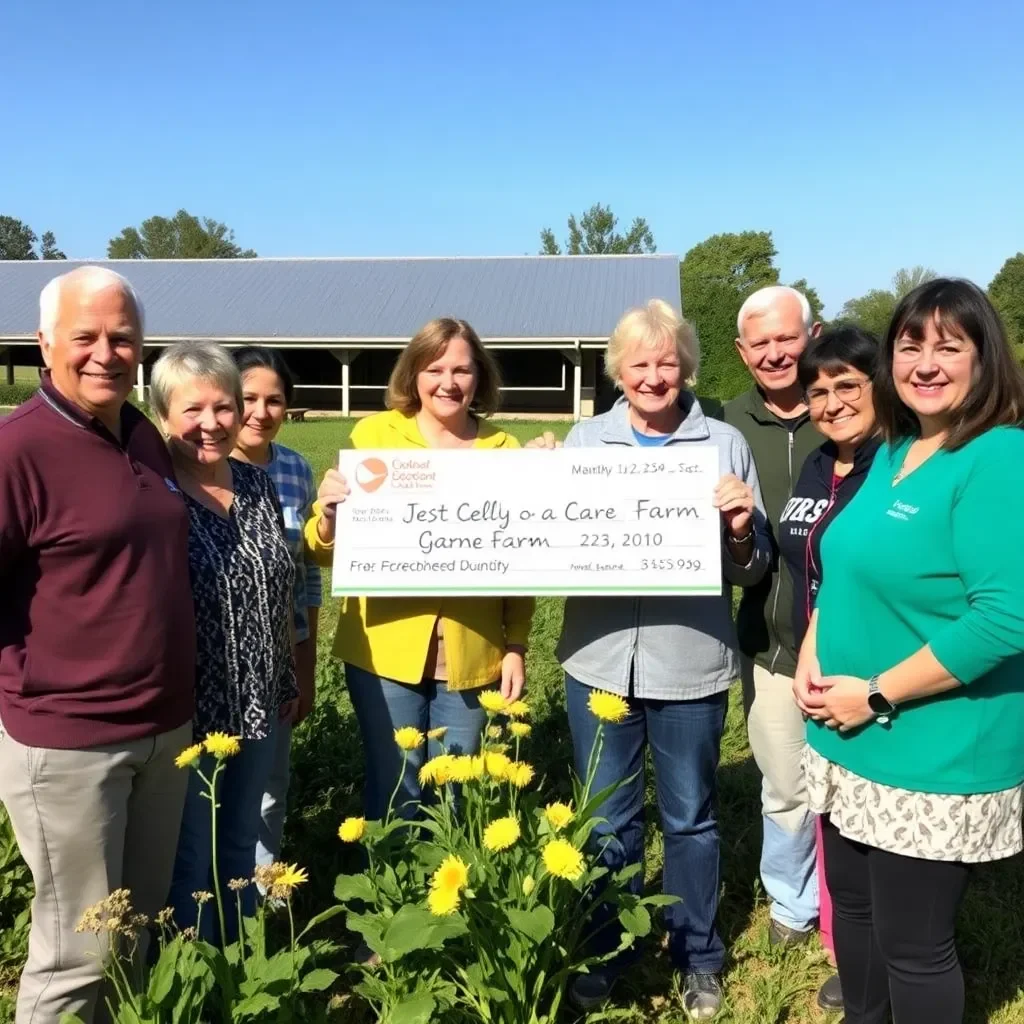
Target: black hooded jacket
[818,497]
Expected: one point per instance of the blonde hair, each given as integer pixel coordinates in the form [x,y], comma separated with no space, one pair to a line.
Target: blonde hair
[428,344]
[652,325]
[191,360]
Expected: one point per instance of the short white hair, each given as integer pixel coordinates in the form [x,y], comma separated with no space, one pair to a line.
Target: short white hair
[764,298]
[91,278]
[650,326]
[193,360]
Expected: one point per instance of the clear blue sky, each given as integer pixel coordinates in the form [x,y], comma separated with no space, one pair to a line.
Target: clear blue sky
[866,136]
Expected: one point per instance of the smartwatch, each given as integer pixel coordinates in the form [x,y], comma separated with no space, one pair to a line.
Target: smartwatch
[882,707]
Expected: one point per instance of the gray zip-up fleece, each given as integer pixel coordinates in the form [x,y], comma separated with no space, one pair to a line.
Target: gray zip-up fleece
[679,648]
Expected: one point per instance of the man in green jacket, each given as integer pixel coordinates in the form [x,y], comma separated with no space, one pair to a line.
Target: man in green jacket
[774,326]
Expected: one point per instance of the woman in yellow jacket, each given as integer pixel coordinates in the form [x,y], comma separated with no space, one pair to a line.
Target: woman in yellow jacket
[423,661]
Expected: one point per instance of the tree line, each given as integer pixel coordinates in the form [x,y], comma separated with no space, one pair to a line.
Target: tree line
[715,276]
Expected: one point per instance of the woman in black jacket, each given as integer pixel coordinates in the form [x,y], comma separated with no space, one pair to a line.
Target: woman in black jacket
[836,373]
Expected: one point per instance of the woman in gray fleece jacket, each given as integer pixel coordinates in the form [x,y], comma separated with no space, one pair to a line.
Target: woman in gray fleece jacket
[671,658]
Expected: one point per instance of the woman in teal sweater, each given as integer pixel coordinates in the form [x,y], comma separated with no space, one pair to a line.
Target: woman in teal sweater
[912,672]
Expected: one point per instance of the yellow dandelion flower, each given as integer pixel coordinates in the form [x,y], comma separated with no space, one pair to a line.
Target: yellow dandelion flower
[520,730]
[265,875]
[438,733]
[558,814]
[188,757]
[437,771]
[520,774]
[442,902]
[518,709]
[465,768]
[495,732]
[409,737]
[609,707]
[562,859]
[221,745]
[528,885]
[287,880]
[451,873]
[496,764]
[352,830]
[501,833]
[492,702]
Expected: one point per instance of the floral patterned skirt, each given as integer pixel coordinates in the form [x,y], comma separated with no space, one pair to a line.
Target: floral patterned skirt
[970,829]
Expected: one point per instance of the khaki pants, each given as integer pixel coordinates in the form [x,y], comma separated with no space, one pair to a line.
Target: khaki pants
[88,821]
[777,734]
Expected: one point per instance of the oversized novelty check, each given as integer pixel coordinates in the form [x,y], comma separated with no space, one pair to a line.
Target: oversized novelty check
[568,521]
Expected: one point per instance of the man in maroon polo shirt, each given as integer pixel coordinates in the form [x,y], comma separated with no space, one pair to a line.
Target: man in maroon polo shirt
[97,638]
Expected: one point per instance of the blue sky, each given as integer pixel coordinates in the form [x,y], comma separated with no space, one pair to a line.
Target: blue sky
[866,136]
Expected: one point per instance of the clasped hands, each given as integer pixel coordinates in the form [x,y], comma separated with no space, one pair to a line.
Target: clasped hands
[841,702]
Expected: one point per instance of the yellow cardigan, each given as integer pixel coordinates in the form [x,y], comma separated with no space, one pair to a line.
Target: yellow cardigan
[391,636]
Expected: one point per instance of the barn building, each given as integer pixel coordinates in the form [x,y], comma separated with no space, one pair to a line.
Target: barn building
[341,322]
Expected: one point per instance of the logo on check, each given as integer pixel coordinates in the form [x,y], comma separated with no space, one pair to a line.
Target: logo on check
[371,474]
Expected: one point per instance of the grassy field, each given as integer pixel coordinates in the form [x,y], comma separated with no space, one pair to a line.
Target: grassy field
[762,986]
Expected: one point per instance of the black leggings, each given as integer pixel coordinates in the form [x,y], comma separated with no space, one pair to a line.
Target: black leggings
[893,923]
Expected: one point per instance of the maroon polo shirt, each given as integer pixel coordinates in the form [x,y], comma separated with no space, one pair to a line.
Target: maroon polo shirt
[97,633]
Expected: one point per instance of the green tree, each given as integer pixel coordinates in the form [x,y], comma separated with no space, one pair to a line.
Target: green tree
[1007,294]
[874,310]
[813,298]
[18,242]
[182,236]
[48,247]
[594,233]
[715,276]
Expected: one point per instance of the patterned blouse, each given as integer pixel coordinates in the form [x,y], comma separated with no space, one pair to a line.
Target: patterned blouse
[242,574]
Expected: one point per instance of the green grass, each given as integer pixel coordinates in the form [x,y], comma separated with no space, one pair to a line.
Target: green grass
[762,986]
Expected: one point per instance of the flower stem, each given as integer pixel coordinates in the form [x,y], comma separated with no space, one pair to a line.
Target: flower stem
[398,784]
[213,848]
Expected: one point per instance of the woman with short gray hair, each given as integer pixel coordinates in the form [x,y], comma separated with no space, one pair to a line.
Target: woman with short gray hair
[241,571]
[671,658]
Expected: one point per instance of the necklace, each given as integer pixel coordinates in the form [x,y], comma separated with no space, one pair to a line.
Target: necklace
[904,471]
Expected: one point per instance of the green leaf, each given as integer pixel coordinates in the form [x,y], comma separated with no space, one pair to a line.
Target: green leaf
[319,919]
[161,978]
[406,931]
[660,900]
[628,872]
[444,929]
[318,980]
[417,1009]
[536,924]
[635,920]
[254,1006]
[353,887]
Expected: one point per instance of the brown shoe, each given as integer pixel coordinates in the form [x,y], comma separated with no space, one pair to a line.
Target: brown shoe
[782,935]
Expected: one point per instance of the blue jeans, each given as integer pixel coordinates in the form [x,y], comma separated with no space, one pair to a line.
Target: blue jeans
[684,738]
[382,706]
[240,790]
[275,799]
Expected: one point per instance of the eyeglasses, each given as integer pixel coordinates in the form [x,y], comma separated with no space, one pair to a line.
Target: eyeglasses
[845,391]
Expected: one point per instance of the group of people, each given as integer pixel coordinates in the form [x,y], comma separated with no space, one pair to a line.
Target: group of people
[160,589]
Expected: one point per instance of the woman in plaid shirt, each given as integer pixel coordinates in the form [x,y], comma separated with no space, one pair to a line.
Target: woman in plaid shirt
[268,388]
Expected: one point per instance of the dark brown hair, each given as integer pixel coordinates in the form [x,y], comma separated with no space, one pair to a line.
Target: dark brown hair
[429,344]
[960,309]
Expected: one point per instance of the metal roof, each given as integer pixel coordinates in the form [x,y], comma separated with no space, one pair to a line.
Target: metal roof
[343,299]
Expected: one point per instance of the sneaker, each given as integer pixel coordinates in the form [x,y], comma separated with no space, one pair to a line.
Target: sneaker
[782,935]
[589,991]
[830,995]
[702,996]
